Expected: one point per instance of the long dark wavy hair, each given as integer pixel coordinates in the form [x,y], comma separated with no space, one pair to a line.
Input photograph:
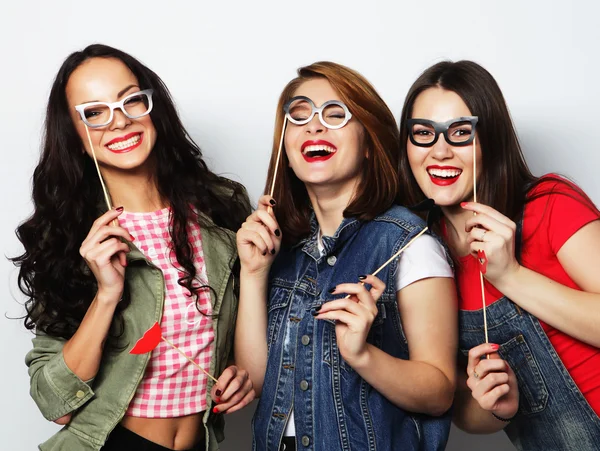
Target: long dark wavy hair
[379,185]
[505,183]
[67,194]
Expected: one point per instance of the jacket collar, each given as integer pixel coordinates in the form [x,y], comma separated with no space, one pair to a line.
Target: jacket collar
[347,228]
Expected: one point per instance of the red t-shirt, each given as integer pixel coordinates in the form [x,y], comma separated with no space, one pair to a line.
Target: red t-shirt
[548,222]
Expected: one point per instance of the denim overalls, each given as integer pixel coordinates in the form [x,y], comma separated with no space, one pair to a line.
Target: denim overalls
[334,408]
[553,414]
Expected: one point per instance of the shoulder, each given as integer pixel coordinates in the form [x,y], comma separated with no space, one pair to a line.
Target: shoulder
[553,187]
[402,217]
[559,207]
[553,194]
[232,191]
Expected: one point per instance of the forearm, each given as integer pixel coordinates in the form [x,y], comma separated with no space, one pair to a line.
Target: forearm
[251,328]
[574,312]
[421,388]
[83,352]
[470,417]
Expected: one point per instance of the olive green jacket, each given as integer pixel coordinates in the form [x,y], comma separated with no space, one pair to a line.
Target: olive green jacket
[98,405]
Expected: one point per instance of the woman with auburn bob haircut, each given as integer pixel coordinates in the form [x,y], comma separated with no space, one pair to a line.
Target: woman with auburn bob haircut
[537,242]
[97,280]
[343,359]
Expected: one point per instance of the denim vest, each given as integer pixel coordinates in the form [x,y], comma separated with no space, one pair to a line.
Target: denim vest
[334,408]
[553,414]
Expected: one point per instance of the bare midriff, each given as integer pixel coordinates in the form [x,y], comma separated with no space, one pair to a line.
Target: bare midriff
[175,433]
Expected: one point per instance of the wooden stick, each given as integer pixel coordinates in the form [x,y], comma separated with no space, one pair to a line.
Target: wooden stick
[485,328]
[106,197]
[278,157]
[190,360]
[393,257]
[396,255]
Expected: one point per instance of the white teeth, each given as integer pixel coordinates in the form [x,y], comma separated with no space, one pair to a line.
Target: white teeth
[125,144]
[318,148]
[445,173]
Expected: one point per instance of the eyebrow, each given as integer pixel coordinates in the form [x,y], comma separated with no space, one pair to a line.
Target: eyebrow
[121,92]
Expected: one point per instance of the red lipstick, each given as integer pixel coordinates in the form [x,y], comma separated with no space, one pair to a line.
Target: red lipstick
[443,181]
[125,138]
[311,158]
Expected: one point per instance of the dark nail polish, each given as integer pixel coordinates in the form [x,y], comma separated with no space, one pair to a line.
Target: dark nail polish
[272,201]
[119,209]
[277,232]
[273,251]
[264,253]
[331,290]
[363,277]
[218,393]
[318,307]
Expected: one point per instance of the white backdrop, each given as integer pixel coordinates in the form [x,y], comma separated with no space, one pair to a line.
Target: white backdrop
[226,63]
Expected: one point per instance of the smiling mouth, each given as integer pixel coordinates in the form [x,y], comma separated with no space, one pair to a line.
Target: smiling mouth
[318,152]
[125,145]
[444,173]
[443,176]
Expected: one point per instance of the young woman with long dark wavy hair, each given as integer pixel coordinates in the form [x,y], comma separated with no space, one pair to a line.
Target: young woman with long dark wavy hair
[537,241]
[96,280]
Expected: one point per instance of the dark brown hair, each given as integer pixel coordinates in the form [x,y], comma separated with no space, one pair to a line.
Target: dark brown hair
[66,193]
[505,179]
[379,185]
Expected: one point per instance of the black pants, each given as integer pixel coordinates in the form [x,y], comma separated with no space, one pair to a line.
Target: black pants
[288,444]
[122,439]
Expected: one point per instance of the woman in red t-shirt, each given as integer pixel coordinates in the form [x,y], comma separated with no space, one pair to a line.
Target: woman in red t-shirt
[539,247]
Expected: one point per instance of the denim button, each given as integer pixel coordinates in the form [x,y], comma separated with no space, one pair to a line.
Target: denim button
[304,385]
[331,260]
[80,394]
[305,340]
[305,440]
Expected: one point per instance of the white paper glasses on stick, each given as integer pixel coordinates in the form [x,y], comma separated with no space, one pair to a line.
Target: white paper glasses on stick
[300,110]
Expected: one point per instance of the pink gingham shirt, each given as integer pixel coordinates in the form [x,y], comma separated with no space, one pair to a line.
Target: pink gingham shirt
[172,386]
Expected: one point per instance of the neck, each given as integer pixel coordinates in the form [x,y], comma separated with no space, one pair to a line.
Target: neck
[329,203]
[135,191]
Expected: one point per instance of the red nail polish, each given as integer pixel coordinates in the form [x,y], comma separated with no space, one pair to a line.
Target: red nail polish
[119,209]
[131,238]
[463,204]
[215,410]
[483,261]
[217,400]
[495,347]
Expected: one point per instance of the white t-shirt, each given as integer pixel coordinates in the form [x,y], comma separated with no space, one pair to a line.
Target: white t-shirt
[424,258]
